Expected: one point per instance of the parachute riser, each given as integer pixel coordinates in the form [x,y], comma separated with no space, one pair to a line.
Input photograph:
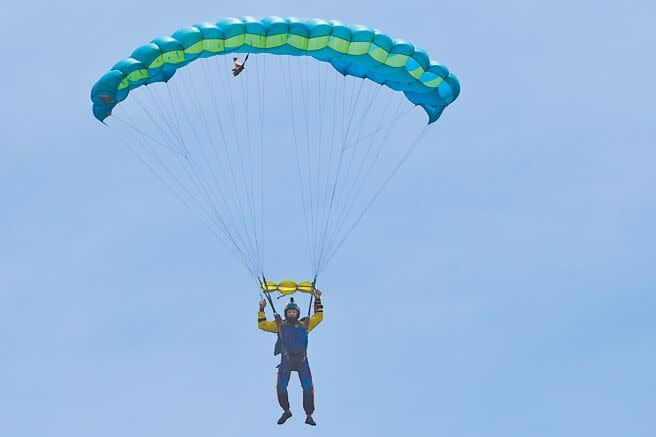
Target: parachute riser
[314,283]
[267,293]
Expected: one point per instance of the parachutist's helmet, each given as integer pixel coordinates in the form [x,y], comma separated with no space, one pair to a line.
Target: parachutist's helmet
[292,306]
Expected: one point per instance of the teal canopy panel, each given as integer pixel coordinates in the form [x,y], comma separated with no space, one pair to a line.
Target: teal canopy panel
[352,50]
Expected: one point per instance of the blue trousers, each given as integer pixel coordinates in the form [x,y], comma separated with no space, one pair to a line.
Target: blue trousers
[299,364]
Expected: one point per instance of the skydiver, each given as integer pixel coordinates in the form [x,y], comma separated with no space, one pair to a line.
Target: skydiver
[292,345]
[239,66]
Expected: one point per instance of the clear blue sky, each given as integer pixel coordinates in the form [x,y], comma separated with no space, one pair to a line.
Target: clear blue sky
[514,297]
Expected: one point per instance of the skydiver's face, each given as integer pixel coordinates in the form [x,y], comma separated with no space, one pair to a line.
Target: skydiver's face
[291,314]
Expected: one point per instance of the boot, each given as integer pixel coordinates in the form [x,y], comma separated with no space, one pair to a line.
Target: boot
[310,421]
[285,415]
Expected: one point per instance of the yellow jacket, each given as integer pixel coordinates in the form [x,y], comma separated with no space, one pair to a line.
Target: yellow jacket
[273,326]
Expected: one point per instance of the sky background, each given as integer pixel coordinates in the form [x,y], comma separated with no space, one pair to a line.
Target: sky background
[502,285]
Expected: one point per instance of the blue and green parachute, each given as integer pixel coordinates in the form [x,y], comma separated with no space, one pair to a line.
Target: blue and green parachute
[352,50]
[206,135]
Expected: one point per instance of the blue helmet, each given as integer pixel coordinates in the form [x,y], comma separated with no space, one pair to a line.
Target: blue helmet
[292,306]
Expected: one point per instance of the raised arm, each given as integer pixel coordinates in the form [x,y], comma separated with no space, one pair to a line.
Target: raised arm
[318,311]
[262,321]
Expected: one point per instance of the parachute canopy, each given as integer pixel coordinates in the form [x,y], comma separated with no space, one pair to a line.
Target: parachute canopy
[352,50]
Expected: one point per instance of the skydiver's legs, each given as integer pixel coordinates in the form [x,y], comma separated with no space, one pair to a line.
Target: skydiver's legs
[305,375]
[284,371]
